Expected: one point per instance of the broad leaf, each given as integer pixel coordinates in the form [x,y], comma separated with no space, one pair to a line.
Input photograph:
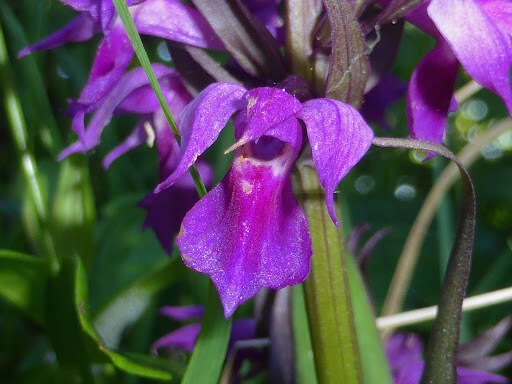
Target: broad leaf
[304,363]
[373,359]
[23,282]
[441,354]
[128,305]
[349,67]
[206,362]
[73,215]
[145,366]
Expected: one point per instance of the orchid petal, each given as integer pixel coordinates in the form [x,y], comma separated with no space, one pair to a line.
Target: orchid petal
[183,313]
[500,12]
[430,93]
[137,137]
[143,100]
[339,138]
[183,338]
[248,232]
[471,376]
[265,108]
[201,122]
[112,58]
[81,28]
[388,90]
[480,45]
[173,20]
[403,350]
[130,82]
[79,5]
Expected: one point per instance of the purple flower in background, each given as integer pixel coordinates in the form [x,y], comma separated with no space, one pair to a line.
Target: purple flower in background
[133,94]
[404,352]
[249,232]
[168,19]
[474,33]
[388,90]
[184,338]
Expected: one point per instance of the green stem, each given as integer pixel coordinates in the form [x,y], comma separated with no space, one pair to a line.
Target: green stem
[18,129]
[328,302]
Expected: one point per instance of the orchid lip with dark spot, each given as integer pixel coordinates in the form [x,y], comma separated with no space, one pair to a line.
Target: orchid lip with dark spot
[249,232]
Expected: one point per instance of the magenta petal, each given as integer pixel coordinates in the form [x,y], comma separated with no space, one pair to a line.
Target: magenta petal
[80,29]
[182,338]
[471,376]
[388,90]
[430,92]
[79,5]
[403,349]
[137,137]
[480,45]
[339,138]
[201,122]
[248,232]
[112,58]
[500,11]
[183,313]
[131,81]
[173,20]
[265,108]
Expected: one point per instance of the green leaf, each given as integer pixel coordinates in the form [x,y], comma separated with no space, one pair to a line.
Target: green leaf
[23,282]
[145,366]
[73,215]
[373,358]
[18,128]
[32,82]
[206,362]
[440,362]
[304,363]
[128,305]
[349,66]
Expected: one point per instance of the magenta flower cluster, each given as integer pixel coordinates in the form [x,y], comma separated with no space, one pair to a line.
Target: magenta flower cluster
[249,231]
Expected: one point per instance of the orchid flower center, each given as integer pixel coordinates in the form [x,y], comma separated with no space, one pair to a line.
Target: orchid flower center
[266,148]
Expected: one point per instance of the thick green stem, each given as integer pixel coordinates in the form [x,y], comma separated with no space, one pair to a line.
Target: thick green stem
[328,302]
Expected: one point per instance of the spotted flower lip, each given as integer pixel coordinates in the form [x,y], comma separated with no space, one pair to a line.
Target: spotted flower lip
[249,231]
[476,34]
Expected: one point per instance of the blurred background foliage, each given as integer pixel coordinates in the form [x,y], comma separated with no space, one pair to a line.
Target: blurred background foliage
[386,189]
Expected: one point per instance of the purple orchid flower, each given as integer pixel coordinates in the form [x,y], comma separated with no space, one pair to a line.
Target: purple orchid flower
[388,90]
[184,338]
[404,352]
[133,94]
[474,33]
[249,232]
[168,19]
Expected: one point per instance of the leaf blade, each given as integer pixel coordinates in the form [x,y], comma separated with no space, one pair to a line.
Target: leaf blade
[349,67]
[23,282]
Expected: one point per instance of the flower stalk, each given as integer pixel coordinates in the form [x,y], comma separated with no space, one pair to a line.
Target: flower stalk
[328,301]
